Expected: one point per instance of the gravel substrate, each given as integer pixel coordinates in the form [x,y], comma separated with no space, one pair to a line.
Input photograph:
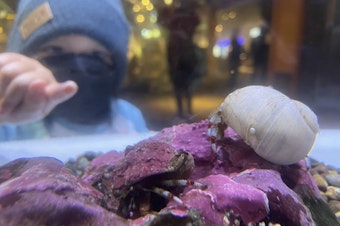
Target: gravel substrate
[328,180]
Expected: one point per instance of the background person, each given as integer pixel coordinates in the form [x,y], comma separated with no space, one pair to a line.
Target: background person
[186,61]
[260,51]
[234,58]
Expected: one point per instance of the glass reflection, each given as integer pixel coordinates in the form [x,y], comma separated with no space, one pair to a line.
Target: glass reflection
[291,45]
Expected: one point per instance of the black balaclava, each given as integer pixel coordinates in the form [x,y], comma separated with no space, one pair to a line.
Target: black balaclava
[96,82]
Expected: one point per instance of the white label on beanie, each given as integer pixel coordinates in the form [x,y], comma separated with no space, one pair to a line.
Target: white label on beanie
[38,17]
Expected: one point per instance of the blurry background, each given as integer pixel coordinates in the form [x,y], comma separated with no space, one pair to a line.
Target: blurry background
[293,45]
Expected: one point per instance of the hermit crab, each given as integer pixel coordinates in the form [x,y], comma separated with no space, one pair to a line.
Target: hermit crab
[279,129]
[151,174]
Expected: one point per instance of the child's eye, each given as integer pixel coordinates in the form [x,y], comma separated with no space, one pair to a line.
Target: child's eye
[52,49]
[48,51]
[105,57]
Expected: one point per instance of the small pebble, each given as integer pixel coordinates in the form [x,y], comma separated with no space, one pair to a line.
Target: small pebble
[324,196]
[333,179]
[337,214]
[82,163]
[320,182]
[320,169]
[334,205]
[333,193]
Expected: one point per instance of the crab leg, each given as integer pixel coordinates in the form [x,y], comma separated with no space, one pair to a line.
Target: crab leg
[166,194]
[182,182]
[216,128]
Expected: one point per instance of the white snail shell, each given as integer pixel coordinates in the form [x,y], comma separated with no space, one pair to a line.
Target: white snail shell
[279,129]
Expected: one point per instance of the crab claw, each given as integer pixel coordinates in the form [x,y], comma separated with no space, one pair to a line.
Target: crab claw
[216,129]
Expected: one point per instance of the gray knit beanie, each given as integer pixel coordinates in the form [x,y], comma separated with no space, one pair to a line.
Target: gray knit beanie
[39,21]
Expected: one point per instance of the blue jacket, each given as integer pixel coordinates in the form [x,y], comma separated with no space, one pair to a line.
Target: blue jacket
[125,118]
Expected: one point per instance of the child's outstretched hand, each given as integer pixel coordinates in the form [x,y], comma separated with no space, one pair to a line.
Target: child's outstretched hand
[28,90]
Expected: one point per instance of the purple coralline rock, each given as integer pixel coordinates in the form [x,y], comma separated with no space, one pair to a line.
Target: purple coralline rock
[234,158]
[40,191]
[193,139]
[148,158]
[225,196]
[172,178]
[285,205]
[134,178]
[99,165]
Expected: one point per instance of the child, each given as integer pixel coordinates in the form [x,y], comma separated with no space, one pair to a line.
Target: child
[67,61]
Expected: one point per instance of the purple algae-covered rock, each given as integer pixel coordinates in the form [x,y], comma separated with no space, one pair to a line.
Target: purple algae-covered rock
[222,200]
[40,191]
[297,176]
[189,137]
[101,164]
[148,158]
[224,196]
[233,157]
[237,156]
[133,178]
[193,138]
[232,186]
[285,205]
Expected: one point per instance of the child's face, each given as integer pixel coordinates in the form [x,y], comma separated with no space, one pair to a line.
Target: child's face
[77,44]
[89,64]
